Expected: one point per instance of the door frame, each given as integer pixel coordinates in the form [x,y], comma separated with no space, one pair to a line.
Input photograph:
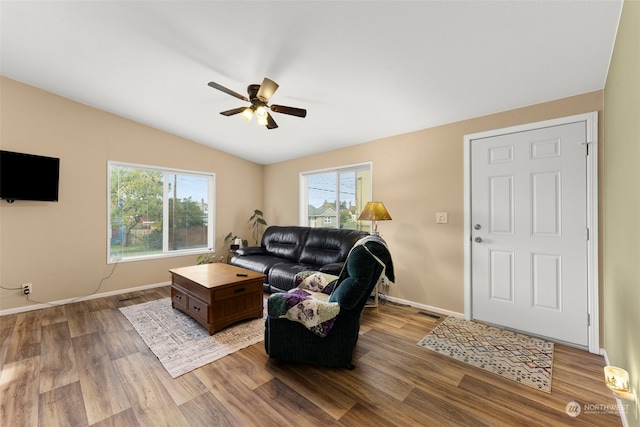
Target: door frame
[593,307]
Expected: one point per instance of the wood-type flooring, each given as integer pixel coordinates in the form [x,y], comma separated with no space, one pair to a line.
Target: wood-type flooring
[83,364]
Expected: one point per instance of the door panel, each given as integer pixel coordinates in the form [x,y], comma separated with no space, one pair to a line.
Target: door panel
[546,283]
[529,253]
[502,283]
[546,204]
[501,199]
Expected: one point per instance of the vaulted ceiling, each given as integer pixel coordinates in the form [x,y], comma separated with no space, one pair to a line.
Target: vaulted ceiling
[363,69]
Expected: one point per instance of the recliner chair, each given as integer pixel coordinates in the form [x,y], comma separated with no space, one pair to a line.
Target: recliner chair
[292,341]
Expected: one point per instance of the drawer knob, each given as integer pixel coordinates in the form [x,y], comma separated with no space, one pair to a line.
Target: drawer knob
[239,290]
[178,296]
[196,308]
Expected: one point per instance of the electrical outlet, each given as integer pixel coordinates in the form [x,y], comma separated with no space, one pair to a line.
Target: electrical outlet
[27,288]
[442,218]
[384,282]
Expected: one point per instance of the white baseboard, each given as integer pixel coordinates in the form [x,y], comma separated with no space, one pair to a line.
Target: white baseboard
[85,298]
[157,285]
[424,307]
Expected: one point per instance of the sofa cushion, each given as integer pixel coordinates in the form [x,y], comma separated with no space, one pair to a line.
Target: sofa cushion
[285,242]
[328,245]
[281,275]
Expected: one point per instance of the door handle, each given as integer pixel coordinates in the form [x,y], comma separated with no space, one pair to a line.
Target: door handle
[477,226]
[477,239]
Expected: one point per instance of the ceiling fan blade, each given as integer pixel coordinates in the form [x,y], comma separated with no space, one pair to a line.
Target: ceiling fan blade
[228,91]
[267,89]
[271,124]
[292,111]
[234,111]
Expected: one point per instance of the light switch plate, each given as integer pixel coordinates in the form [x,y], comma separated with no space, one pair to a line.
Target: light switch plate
[442,218]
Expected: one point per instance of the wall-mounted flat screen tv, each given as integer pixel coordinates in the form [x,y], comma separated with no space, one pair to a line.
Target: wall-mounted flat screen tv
[28,177]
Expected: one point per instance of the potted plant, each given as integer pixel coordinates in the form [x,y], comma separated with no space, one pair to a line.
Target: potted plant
[256,220]
[230,238]
[208,258]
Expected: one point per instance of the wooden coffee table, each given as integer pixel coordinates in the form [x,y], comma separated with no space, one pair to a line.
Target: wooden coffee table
[217,295]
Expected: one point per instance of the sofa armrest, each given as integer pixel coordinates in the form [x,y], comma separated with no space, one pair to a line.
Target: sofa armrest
[334,268]
[251,250]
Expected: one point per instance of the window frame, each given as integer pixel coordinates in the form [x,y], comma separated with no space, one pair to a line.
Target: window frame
[166,253]
[304,191]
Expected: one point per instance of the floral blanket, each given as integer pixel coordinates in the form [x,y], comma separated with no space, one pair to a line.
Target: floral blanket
[308,303]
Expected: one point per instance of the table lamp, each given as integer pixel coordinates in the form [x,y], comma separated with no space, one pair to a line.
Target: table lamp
[374,211]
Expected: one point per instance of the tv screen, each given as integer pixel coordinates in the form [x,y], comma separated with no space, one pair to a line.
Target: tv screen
[28,177]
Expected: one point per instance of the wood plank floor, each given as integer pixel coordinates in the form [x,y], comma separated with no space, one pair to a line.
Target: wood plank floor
[83,364]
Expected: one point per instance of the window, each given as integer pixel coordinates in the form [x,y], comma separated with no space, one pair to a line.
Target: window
[334,198]
[158,212]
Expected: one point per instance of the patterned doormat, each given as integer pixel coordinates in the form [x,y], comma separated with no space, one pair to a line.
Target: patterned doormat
[515,356]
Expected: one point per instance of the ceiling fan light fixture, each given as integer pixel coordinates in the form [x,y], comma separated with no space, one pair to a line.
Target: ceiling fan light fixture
[261,112]
[262,121]
[261,116]
[259,96]
[247,114]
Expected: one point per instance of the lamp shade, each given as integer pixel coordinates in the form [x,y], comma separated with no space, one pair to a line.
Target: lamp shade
[374,211]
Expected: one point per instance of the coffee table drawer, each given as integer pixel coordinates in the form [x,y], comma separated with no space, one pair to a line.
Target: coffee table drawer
[191,287]
[178,299]
[197,309]
[237,290]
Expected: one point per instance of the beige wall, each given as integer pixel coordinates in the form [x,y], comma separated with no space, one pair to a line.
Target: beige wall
[417,175]
[622,200]
[61,247]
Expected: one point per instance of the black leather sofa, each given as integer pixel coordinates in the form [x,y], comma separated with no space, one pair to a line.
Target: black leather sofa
[287,250]
[291,341]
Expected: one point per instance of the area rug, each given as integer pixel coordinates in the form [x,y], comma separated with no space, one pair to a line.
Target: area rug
[181,343]
[515,356]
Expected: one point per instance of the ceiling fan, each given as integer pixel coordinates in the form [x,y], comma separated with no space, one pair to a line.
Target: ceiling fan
[259,96]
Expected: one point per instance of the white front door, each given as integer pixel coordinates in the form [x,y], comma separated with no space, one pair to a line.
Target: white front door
[529,232]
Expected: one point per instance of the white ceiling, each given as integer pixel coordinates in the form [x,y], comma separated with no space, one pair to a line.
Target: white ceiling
[363,69]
